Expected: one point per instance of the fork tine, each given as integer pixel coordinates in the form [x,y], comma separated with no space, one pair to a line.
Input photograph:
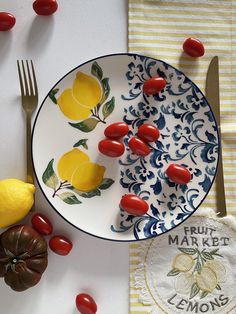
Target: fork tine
[30,80]
[34,78]
[20,78]
[25,79]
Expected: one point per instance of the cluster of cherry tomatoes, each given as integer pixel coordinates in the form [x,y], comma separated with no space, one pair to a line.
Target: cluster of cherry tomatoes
[113,147]
[58,244]
[41,7]
[62,246]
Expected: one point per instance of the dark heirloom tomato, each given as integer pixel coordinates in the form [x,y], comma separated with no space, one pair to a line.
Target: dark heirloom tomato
[193,47]
[7,21]
[154,85]
[86,304]
[42,224]
[178,174]
[148,133]
[111,148]
[45,7]
[134,205]
[60,245]
[23,257]
[116,130]
[138,146]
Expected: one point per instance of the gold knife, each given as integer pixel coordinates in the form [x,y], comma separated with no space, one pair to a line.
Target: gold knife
[213,97]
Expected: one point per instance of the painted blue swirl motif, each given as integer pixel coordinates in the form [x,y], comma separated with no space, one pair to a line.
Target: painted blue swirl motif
[188,137]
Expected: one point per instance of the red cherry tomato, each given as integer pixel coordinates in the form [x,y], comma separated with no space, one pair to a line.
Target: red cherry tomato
[42,224]
[138,146]
[179,174]
[86,304]
[134,205]
[7,21]
[45,7]
[111,148]
[60,245]
[154,85]
[148,133]
[116,130]
[193,47]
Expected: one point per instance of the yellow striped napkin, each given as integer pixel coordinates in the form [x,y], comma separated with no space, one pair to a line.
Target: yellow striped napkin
[158,28]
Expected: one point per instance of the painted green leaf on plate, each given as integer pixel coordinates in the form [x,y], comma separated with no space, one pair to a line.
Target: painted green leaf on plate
[49,177]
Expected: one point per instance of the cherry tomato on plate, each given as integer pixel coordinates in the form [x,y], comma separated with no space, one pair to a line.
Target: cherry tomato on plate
[85,304]
[134,205]
[116,130]
[154,85]
[45,7]
[148,133]
[138,146]
[60,245]
[111,148]
[193,47]
[42,224]
[7,21]
[178,174]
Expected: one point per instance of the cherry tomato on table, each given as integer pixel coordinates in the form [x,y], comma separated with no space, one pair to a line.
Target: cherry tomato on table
[134,205]
[42,224]
[148,133]
[193,47]
[111,148]
[45,7]
[60,245]
[116,130]
[7,21]
[138,146]
[85,304]
[178,174]
[154,85]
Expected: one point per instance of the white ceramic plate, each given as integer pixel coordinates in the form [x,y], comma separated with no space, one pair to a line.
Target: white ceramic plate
[188,137]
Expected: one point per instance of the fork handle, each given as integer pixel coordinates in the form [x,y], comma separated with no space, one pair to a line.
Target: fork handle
[30,172]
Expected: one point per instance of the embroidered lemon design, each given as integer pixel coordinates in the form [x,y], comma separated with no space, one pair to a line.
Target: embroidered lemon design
[77,102]
[183,262]
[219,269]
[16,200]
[76,168]
[184,282]
[207,279]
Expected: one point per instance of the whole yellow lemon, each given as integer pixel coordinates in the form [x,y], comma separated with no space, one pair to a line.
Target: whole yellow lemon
[16,200]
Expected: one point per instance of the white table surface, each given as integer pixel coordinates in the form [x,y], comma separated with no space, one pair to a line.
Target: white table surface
[80,30]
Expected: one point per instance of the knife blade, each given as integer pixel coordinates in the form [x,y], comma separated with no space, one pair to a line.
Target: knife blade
[213,97]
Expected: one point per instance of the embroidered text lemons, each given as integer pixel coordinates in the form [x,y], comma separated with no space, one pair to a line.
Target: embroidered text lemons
[76,102]
[16,200]
[207,279]
[183,262]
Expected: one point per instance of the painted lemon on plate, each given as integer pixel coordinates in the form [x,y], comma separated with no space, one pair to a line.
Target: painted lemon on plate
[76,168]
[183,262]
[16,200]
[77,102]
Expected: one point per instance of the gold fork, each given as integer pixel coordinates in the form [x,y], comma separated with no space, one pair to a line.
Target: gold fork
[29,100]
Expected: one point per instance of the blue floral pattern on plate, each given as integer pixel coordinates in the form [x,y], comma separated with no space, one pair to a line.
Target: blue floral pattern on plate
[188,137]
